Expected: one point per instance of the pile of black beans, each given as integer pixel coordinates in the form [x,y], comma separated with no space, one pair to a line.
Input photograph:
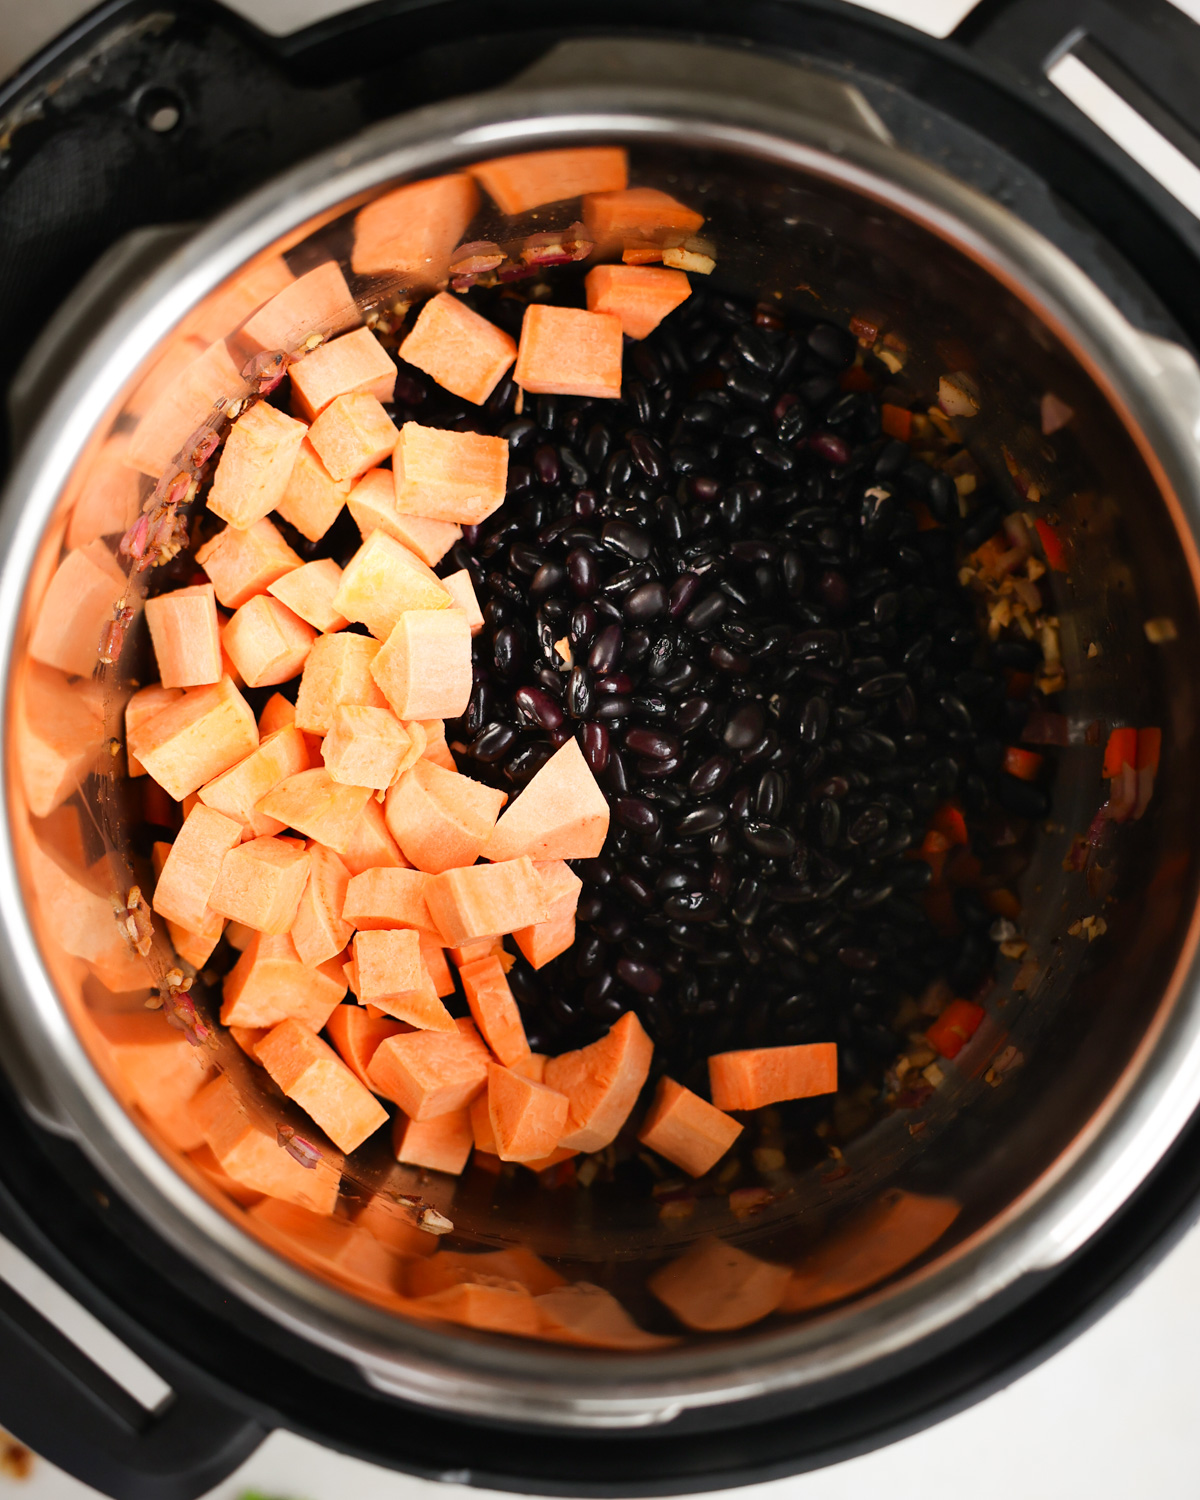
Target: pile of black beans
[773,672]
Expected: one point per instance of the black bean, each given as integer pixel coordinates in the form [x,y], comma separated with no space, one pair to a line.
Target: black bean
[630,541]
[652,743]
[646,602]
[538,707]
[637,814]
[644,978]
[706,612]
[770,795]
[769,839]
[493,743]
[744,727]
[595,747]
[606,649]
[579,693]
[710,776]
[706,818]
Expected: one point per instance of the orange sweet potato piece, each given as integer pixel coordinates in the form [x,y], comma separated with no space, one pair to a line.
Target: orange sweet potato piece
[108,494]
[384,579]
[436,749]
[561,814]
[372,503]
[210,1168]
[518,183]
[248,1150]
[352,435]
[269,983]
[181,406]
[315,805]
[686,1129]
[355,362]
[311,1074]
[449,476]
[183,630]
[767,1075]
[248,1038]
[527,1118]
[309,592]
[193,866]
[190,741]
[602,1082]
[439,818]
[74,610]
[431,1073]
[485,900]
[495,1012]
[640,296]
[390,974]
[441,1145]
[194,946]
[472,952]
[233,302]
[462,592]
[312,500]
[481,1126]
[255,464]
[379,899]
[260,884]
[569,352]
[463,352]
[345,1252]
[278,713]
[393,1226]
[875,1244]
[266,642]
[450,1268]
[143,705]
[244,563]
[161,1069]
[590,1317]
[78,918]
[546,940]
[716,1287]
[356,1035]
[239,790]
[59,734]
[317,302]
[338,670]
[318,931]
[638,213]
[365,746]
[423,668]
[496,1308]
[371,846]
[411,231]
[433,956]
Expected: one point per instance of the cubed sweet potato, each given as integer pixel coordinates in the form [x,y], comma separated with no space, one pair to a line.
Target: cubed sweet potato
[686,1129]
[310,1073]
[190,741]
[378,899]
[337,670]
[462,591]
[70,617]
[355,362]
[372,503]
[410,232]
[527,1118]
[352,435]
[193,866]
[389,973]
[569,352]
[260,883]
[561,814]
[365,746]
[602,1082]
[356,1035]
[309,592]
[485,900]
[463,352]
[269,983]
[312,500]
[439,818]
[266,642]
[255,465]
[183,631]
[319,931]
[757,1076]
[431,1073]
[423,669]
[315,805]
[384,579]
[238,791]
[449,476]
[640,296]
[244,563]
[495,1012]
[371,846]
[442,1144]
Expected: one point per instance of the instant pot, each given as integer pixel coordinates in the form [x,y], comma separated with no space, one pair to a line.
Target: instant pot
[155,161]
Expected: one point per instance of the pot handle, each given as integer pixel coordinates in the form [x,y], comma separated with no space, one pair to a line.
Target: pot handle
[169,1441]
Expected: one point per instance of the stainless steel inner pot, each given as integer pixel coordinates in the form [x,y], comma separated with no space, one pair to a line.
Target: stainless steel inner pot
[1085,1071]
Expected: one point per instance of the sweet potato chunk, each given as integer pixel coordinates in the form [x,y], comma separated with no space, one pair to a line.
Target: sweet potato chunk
[495,1012]
[875,1244]
[568,352]
[462,592]
[180,406]
[372,503]
[411,231]
[439,818]
[76,607]
[637,213]
[485,900]
[108,494]
[319,932]
[591,1318]
[355,362]
[716,1287]
[266,642]
[602,1082]
[449,476]
[260,884]
[161,1069]
[59,734]
[317,302]
[248,1151]
[423,668]
[364,746]
[244,563]
[433,956]
[389,973]
[384,579]
[561,814]
[269,983]
[546,940]
[356,1035]
[345,1252]
[309,592]
[143,705]
[497,1308]
[338,670]
[686,1129]
[767,1075]
[312,499]
[255,465]
[193,866]
[183,630]
[640,296]
[352,435]
[232,303]
[315,805]
[194,739]
[379,899]
[431,1073]
[441,1145]
[527,1118]
[371,846]
[311,1074]
[518,183]
[239,790]
[78,918]
[463,352]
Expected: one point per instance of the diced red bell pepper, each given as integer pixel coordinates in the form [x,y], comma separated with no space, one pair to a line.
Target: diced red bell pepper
[864,330]
[1121,750]
[1052,547]
[1149,747]
[955,1027]
[896,422]
[856,379]
[934,848]
[1025,764]
[949,820]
